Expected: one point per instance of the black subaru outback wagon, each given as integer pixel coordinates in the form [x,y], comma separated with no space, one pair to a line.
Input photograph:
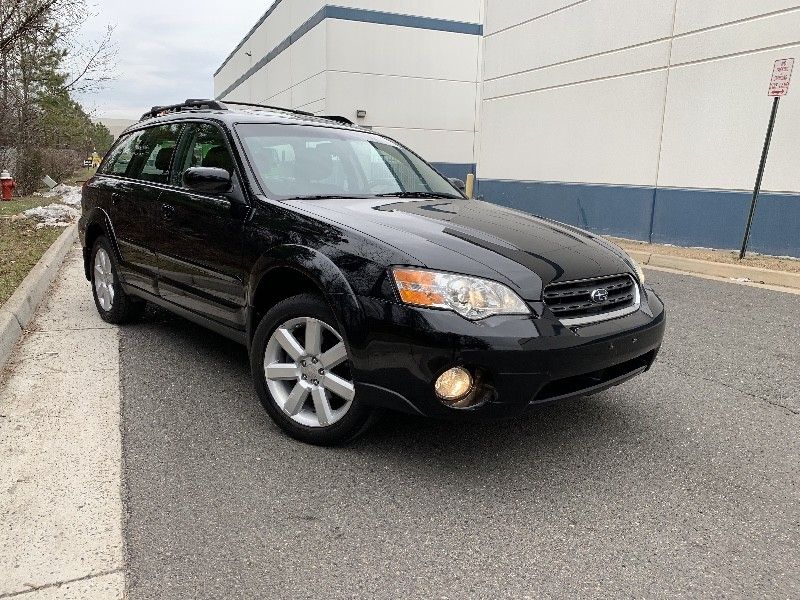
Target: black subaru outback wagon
[357,276]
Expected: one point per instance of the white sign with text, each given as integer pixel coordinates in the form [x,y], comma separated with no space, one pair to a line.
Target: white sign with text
[781,76]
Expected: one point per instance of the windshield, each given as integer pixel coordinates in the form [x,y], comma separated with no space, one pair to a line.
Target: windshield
[299,161]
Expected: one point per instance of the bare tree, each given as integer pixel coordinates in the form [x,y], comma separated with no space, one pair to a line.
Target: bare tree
[43,59]
[21,18]
[93,64]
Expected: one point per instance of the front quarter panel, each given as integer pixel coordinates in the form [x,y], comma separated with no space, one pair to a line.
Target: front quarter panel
[344,264]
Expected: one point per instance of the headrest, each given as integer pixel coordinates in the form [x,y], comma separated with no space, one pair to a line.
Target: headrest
[163,158]
[219,158]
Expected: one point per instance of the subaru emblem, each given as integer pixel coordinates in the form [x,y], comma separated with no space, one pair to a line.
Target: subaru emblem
[599,295]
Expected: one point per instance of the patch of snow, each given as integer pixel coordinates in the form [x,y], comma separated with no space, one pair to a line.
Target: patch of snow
[741,279]
[70,194]
[53,215]
[72,197]
[61,213]
[59,190]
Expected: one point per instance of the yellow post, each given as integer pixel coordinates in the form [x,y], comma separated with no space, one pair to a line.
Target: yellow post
[470,191]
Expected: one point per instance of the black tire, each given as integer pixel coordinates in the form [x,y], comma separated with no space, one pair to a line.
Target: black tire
[358,417]
[124,308]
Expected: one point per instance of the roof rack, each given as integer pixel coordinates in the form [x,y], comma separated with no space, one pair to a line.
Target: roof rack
[289,110]
[189,104]
[336,118]
[201,104]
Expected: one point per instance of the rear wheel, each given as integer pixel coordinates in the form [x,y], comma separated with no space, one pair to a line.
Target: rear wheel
[303,375]
[113,304]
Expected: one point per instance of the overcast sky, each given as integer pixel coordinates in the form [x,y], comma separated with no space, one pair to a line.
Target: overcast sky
[168,49]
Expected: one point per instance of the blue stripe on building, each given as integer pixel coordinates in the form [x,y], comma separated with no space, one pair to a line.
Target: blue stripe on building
[263,18]
[347,14]
[458,170]
[386,18]
[686,217]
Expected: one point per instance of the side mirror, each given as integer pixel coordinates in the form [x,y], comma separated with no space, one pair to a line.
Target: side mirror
[207,180]
[458,184]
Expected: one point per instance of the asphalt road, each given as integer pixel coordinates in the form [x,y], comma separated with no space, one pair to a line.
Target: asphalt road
[682,483]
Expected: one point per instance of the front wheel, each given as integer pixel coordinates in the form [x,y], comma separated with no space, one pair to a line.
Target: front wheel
[303,375]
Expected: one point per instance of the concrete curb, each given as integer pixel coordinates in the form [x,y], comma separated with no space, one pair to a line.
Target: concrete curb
[19,310]
[716,269]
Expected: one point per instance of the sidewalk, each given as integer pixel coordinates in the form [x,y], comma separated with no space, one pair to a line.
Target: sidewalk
[60,452]
[771,272]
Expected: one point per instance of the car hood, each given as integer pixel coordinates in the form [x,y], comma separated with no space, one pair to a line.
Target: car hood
[478,238]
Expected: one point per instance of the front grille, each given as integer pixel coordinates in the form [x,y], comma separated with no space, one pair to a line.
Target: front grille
[572,300]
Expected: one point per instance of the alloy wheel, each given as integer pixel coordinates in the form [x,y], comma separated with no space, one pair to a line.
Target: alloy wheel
[311,380]
[103,279]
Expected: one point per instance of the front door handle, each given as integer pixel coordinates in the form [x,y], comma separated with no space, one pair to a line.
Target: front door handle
[116,197]
[167,211]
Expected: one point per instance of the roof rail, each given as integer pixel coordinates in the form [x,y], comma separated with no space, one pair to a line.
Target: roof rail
[289,110]
[189,104]
[337,118]
[201,104]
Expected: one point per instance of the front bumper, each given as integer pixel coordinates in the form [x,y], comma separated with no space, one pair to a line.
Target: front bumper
[517,360]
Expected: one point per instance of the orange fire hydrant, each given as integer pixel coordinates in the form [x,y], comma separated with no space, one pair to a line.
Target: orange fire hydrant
[8,184]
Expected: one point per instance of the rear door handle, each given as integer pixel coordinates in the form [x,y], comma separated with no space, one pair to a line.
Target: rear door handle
[116,197]
[167,211]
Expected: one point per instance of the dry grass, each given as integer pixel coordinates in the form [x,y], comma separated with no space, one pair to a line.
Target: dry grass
[80,176]
[722,256]
[21,244]
[17,205]
[21,247]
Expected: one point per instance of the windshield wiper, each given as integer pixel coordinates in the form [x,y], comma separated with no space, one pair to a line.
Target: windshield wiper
[417,195]
[327,197]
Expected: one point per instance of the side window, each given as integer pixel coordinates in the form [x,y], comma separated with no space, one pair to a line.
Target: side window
[120,156]
[153,152]
[204,147]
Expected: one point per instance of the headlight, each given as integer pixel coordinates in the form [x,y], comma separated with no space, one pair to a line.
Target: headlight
[471,297]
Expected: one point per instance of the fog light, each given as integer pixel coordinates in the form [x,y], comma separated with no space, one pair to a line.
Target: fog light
[454,384]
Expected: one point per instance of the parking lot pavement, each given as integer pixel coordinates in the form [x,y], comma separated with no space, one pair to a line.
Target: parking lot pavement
[681,483]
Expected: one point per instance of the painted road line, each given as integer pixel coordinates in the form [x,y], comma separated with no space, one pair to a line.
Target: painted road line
[60,452]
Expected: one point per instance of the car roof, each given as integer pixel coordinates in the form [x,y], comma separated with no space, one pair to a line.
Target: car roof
[231,113]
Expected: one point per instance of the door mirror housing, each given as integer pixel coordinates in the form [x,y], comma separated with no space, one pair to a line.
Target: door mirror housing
[458,184]
[207,180]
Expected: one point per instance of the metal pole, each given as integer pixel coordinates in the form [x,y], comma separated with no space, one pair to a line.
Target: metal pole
[470,191]
[760,176]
